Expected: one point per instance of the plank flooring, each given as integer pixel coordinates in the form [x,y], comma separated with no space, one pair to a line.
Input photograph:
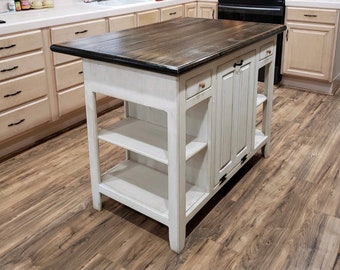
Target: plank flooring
[282,212]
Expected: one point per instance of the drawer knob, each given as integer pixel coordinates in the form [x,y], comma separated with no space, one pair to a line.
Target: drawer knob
[269,51]
[201,85]
[17,123]
[80,72]
[13,94]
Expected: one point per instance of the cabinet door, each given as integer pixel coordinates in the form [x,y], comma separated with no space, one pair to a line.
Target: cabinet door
[190,10]
[122,22]
[308,50]
[207,10]
[235,92]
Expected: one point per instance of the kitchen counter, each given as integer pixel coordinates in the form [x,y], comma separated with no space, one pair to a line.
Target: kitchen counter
[75,12]
[192,43]
[334,4]
[189,87]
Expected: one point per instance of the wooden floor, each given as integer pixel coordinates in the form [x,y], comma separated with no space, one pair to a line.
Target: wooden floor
[277,213]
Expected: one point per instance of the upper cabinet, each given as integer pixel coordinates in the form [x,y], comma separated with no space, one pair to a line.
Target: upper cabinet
[310,43]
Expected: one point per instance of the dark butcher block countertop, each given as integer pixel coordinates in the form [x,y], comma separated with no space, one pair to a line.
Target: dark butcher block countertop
[170,47]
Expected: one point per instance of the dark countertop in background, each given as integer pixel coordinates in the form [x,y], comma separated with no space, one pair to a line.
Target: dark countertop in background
[170,47]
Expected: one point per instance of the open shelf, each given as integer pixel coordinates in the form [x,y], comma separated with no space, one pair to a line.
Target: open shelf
[260,99]
[146,138]
[260,139]
[144,189]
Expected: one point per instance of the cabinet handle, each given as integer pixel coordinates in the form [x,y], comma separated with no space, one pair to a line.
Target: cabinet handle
[9,69]
[238,64]
[172,13]
[17,123]
[201,85]
[269,51]
[81,32]
[310,15]
[80,72]
[213,14]
[8,47]
[14,94]
[287,35]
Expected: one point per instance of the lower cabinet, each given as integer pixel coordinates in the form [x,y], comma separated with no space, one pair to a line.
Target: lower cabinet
[234,113]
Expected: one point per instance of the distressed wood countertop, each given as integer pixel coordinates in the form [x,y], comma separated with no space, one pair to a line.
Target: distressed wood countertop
[171,47]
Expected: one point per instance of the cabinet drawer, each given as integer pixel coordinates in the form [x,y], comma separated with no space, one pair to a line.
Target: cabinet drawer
[74,31]
[20,65]
[23,89]
[122,22]
[19,43]
[171,13]
[71,100]
[198,83]
[21,119]
[311,15]
[69,75]
[266,50]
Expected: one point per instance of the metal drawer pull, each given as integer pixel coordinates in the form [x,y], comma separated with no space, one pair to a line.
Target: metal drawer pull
[80,72]
[17,123]
[201,85]
[9,69]
[269,51]
[310,15]
[8,47]
[14,94]
[238,64]
[172,13]
[81,32]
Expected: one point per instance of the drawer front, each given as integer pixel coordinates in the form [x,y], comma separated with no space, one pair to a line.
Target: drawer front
[71,100]
[171,13]
[198,83]
[24,118]
[266,50]
[71,32]
[16,66]
[23,89]
[69,75]
[122,22]
[19,43]
[148,17]
[311,15]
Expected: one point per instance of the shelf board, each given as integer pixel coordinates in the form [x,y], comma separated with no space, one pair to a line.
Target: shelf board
[144,189]
[260,139]
[260,99]
[146,138]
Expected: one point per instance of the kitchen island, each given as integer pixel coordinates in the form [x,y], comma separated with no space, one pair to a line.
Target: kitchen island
[190,97]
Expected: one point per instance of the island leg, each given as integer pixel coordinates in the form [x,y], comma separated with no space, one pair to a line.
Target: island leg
[176,178]
[92,131]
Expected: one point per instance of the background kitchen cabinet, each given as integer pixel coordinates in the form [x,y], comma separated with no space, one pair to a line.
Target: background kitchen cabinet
[148,17]
[190,10]
[68,69]
[173,12]
[24,100]
[207,10]
[310,43]
[122,22]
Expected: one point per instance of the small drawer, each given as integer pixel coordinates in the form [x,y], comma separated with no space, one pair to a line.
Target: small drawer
[71,100]
[19,43]
[171,13]
[70,32]
[311,15]
[148,17]
[198,83]
[122,22]
[23,89]
[16,66]
[69,75]
[266,50]
[24,118]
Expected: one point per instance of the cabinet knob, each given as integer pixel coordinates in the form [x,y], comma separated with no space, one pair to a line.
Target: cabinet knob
[269,51]
[201,85]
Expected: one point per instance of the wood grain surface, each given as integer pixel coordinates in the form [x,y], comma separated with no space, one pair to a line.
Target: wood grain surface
[173,46]
[282,212]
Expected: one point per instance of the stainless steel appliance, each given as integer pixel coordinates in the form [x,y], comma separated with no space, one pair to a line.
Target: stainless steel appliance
[267,11]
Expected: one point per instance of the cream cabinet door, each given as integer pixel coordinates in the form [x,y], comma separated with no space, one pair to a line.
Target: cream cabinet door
[190,10]
[122,22]
[207,10]
[308,50]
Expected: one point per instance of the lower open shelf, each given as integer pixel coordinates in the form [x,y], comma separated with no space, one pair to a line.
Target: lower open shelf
[145,190]
[260,139]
